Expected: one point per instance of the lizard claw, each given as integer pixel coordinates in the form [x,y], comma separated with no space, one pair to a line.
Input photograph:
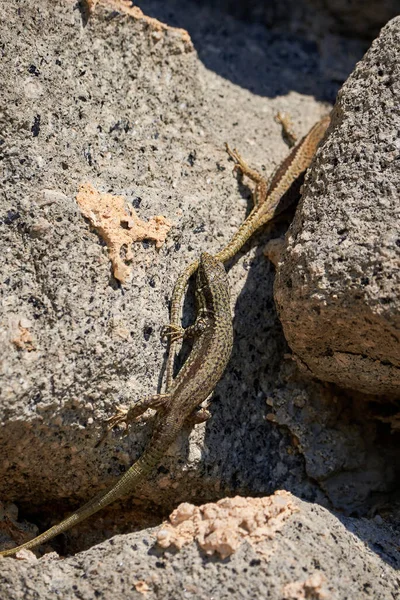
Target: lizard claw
[235,156]
[173,332]
[287,128]
[120,417]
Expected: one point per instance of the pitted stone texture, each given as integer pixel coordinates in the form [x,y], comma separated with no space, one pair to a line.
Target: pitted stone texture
[338,281]
[317,553]
[128,106]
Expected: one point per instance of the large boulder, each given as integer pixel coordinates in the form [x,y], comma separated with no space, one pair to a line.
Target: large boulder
[338,281]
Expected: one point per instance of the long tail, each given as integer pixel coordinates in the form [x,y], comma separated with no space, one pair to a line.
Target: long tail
[132,479]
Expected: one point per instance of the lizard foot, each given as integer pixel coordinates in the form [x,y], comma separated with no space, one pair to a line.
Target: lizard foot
[288,132]
[261,190]
[242,166]
[133,414]
[173,332]
[199,415]
[119,417]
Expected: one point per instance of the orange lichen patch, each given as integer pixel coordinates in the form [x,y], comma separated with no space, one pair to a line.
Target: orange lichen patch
[23,340]
[312,588]
[119,226]
[125,6]
[221,527]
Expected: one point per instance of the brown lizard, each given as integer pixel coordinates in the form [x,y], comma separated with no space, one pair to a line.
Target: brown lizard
[213,335]
[268,203]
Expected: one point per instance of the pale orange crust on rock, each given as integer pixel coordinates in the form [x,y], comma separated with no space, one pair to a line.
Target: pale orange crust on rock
[126,7]
[223,526]
[119,226]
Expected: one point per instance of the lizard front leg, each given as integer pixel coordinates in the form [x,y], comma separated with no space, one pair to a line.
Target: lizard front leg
[261,190]
[241,166]
[199,415]
[176,332]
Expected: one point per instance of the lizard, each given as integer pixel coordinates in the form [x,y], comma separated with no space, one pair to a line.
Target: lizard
[212,333]
[269,201]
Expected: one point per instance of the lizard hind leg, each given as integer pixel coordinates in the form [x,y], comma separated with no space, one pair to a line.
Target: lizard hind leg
[132,414]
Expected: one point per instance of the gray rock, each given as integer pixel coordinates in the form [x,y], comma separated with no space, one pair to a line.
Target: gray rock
[331,557]
[129,106]
[337,284]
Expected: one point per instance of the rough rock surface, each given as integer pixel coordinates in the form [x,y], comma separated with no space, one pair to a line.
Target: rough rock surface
[338,281]
[315,556]
[126,104]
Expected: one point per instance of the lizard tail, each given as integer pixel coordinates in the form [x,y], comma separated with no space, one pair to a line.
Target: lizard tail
[82,513]
[132,479]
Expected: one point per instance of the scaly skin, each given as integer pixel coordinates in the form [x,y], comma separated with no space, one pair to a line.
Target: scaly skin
[213,335]
[267,204]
